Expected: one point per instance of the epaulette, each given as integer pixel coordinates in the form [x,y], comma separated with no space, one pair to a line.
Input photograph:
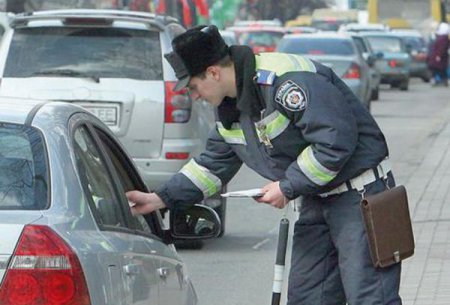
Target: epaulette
[265,77]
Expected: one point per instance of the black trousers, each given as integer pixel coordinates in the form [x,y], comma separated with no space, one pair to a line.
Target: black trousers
[331,261]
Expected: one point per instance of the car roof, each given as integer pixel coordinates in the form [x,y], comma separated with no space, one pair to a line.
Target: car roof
[319,35]
[157,20]
[381,34]
[245,29]
[18,110]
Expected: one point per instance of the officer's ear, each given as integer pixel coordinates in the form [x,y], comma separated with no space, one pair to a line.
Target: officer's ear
[214,72]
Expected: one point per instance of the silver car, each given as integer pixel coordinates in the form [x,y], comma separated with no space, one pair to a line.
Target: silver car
[67,233]
[337,52]
[112,63]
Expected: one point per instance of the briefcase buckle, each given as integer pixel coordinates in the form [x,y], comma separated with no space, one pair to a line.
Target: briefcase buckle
[397,256]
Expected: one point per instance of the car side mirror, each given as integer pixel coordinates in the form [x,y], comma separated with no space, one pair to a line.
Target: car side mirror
[379,55]
[196,222]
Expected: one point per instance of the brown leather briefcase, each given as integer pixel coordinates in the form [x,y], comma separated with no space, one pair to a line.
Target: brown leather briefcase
[388,226]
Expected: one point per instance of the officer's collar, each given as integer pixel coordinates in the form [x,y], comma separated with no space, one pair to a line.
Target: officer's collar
[247,99]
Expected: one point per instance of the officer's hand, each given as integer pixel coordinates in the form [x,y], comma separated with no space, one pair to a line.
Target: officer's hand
[144,203]
[273,195]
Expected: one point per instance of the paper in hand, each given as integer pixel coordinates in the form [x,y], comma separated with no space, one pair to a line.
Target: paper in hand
[244,193]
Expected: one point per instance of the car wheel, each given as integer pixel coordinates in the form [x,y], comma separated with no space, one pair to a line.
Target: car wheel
[219,204]
[395,84]
[426,77]
[375,94]
[404,85]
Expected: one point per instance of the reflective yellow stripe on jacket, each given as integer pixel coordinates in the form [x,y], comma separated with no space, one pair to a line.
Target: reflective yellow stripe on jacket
[281,63]
[275,124]
[207,182]
[235,135]
[312,168]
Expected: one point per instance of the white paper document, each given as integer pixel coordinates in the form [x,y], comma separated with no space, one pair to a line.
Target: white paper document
[244,193]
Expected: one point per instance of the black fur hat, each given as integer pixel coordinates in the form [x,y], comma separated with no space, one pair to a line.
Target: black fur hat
[194,51]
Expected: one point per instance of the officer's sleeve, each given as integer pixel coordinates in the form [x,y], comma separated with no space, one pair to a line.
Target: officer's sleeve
[326,122]
[202,176]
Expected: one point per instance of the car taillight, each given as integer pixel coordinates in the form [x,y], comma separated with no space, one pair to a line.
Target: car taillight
[420,56]
[178,104]
[44,270]
[395,63]
[353,72]
[177,155]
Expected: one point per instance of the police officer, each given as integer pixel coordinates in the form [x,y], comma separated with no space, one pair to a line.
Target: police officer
[293,121]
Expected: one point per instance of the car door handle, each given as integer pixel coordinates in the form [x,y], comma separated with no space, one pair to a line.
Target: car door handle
[131,269]
[163,272]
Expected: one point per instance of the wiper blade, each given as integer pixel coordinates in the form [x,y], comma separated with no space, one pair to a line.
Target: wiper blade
[67,72]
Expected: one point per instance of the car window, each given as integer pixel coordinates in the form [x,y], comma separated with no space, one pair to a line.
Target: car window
[96,181]
[385,44]
[263,38]
[85,52]
[125,173]
[317,46]
[360,45]
[23,168]
[416,43]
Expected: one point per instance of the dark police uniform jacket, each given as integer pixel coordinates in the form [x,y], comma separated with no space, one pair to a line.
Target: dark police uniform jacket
[293,121]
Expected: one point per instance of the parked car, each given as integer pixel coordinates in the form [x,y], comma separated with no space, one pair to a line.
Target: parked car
[112,63]
[370,57]
[260,38]
[395,62]
[4,24]
[68,235]
[363,27]
[417,48]
[337,52]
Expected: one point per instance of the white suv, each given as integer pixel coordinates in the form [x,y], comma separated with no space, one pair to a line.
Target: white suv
[111,62]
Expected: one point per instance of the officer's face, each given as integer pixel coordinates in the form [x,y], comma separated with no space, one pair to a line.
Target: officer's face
[207,88]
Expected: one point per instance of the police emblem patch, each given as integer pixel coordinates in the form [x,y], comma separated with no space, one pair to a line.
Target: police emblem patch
[291,96]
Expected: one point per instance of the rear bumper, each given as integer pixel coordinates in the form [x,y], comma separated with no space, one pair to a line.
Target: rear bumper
[388,78]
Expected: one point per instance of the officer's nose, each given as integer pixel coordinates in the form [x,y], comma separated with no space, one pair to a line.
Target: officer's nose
[194,95]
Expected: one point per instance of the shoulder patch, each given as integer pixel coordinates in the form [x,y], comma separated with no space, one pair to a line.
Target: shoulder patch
[291,96]
[265,77]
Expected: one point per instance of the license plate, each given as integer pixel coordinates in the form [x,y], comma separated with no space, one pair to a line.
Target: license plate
[108,114]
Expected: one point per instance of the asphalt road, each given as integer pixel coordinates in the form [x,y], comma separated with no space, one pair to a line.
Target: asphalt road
[237,269]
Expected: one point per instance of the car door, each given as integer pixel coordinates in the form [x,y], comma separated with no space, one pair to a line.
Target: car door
[129,263]
[151,255]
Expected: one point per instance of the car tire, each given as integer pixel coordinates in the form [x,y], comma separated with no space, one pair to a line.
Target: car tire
[426,76]
[404,85]
[375,94]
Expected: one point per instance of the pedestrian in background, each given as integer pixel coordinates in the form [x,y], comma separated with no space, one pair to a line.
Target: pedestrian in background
[296,123]
[438,55]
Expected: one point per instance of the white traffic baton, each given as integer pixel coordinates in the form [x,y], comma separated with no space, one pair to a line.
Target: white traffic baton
[280,261]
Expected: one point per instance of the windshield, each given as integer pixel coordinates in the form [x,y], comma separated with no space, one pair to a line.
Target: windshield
[85,52]
[317,46]
[385,44]
[23,168]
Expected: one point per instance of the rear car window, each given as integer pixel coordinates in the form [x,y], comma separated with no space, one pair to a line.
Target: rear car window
[385,44]
[85,52]
[23,168]
[263,38]
[317,46]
